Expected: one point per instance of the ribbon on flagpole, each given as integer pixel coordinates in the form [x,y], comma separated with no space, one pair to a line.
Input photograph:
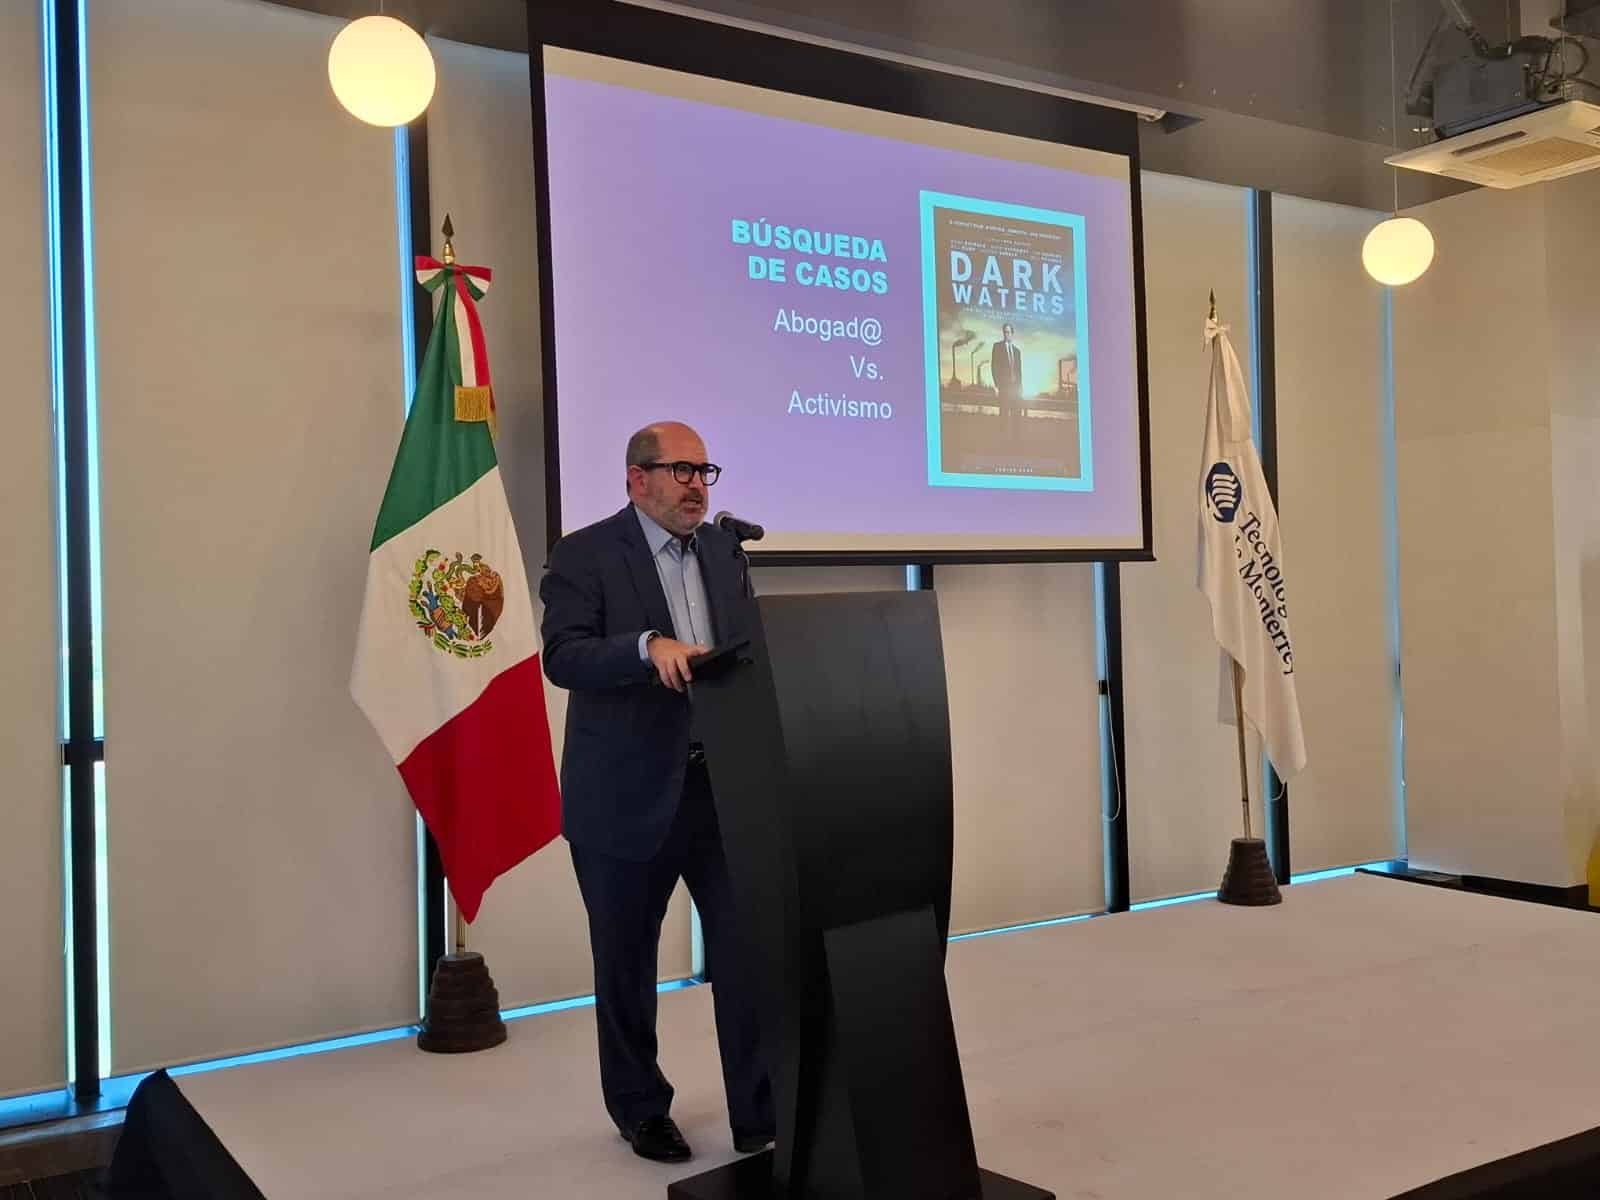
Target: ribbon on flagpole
[475,391]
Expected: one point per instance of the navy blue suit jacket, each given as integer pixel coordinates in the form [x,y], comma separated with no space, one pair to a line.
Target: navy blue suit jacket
[627,741]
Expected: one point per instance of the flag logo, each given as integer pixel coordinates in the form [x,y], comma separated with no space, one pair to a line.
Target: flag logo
[1222,492]
[456,602]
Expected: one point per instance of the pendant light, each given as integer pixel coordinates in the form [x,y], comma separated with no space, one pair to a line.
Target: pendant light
[381,71]
[1398,250]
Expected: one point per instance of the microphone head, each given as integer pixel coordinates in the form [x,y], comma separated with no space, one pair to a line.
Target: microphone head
[744,531]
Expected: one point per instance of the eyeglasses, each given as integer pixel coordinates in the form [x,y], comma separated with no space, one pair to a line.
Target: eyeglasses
[683,472]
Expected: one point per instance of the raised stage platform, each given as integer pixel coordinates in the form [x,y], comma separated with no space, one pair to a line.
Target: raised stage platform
[1366,1038]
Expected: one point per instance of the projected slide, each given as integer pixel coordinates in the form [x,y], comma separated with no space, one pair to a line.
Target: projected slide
[893,333]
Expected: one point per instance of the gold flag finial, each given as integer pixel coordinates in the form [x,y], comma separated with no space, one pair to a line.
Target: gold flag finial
[1213,304]
[449,255]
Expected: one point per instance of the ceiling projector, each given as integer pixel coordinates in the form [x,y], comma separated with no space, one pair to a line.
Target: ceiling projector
[1512,114]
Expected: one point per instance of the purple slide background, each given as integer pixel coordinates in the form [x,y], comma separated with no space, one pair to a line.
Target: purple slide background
[656,317]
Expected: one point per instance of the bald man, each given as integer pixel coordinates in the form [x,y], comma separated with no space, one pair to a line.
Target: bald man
[628,601]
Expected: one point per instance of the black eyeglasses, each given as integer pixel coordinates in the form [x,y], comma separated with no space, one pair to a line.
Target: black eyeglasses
[683,472]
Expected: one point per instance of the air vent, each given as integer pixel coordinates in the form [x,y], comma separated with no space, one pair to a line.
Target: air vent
[1547,155]
[1479,147]
[1548,143]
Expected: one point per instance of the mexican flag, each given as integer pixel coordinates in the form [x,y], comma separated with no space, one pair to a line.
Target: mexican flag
[447,660]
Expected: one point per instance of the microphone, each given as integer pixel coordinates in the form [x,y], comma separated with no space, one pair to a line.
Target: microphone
[744,531]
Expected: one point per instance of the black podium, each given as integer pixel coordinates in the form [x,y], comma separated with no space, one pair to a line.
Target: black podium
[828,739]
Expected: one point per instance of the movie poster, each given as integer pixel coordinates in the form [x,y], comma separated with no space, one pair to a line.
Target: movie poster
[1007,377]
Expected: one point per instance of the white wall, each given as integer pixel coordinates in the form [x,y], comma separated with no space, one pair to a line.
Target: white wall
[1572,256]
[32,1002]
[262,863]
[1019,652]
[1183,773]
[1335,504]
[1478,551]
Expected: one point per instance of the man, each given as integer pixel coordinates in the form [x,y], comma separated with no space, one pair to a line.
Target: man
[628,602]
[1005,368]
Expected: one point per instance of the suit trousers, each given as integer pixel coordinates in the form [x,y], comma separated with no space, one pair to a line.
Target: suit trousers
[626,902]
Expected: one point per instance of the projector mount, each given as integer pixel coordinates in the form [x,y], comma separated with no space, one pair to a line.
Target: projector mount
[1498,81]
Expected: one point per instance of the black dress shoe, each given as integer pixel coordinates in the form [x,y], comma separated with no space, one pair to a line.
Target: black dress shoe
[658,1139]
[750,1143]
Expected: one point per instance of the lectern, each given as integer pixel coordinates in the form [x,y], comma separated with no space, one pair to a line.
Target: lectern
[828,739]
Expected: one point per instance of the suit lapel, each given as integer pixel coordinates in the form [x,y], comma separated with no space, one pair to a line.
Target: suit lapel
[646,579]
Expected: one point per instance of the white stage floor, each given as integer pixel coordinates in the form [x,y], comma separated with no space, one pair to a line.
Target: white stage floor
[1366,1037]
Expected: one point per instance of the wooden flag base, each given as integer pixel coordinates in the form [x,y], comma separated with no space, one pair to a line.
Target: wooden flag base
[463,1008]
[1249,879]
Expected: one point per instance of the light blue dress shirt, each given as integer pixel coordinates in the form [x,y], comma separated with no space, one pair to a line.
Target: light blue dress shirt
[679,569]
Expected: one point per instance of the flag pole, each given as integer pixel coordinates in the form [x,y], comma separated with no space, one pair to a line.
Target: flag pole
[463,1006]
[1238,720]
[1238,694]
[448,257]
[1248,879]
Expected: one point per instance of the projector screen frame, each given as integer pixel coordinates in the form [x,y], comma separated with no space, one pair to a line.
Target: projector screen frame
[697,46]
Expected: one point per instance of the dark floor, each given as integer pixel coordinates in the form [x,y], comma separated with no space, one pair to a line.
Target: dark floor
[1506,889]
[78,1186]
[57,1160]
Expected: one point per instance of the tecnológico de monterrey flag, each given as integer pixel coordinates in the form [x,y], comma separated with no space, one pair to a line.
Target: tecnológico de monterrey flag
[447,660]
[1241,567]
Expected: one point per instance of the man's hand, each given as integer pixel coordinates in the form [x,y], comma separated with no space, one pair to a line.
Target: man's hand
[671,660]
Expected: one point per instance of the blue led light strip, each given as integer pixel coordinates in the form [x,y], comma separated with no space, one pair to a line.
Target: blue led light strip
[72,305]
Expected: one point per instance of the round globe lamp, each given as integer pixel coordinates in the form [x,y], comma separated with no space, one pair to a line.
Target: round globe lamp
[381,71]
[1397,251]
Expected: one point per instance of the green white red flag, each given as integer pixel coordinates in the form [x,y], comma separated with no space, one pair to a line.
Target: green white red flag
[447,660]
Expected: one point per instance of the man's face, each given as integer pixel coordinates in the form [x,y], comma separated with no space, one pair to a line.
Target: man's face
[1007,332]
[679,508]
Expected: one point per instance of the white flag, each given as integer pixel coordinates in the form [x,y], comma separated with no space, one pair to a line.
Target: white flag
[1241,567]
